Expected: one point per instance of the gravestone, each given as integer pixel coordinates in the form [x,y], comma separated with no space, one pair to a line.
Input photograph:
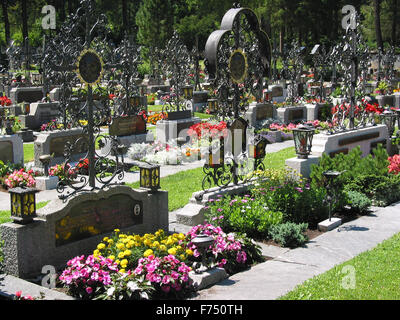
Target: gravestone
[171,129]
[259,112]
[343,142]
[199,100]
[292,114]
[26,94]
[128,130]
[63,230]
[11,149]
[53,143]
[40,113]
[319,111]
[385,101]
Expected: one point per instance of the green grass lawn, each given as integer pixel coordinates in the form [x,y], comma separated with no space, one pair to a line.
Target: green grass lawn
[5,215]
[29,154]
[377,277]
[180,186]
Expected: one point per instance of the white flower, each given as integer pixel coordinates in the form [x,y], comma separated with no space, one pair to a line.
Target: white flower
[132,286]
[110,291]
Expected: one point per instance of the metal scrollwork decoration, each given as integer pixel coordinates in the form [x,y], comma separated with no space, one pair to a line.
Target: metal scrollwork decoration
[237,60]
[350,115]
[293,64]
[80,56]
[177,67]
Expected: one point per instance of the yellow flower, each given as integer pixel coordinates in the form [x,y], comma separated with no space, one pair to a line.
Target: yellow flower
[124,263]
[105,239]
[189,252]
[181,236]
[122,271]
[148,252]
[101,246]
[172,251]
[121,255]
[96,252]
[116,230]
[111,257]
[182,256]
[163,248]
[117,262]
[120,246]
[127,253]
[110,241]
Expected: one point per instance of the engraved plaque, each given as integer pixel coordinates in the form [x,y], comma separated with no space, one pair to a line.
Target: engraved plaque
[264,112]
[295,114]
[6,151]
[91,218]
[57,144]
[126,126]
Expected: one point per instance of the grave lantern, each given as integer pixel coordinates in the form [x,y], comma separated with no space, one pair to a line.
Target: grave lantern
[212,105]
[202,242]
[215,158]
[27,108]
[188,92]
[149,176]
[257,149]
[267,95]
[303,136]
[389,118]
[330,175]
[23,204]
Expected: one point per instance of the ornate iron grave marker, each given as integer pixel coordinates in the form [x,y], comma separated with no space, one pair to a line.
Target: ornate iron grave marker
[72,55]
[237,60]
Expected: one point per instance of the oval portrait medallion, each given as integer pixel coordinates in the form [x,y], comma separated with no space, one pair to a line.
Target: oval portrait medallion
[90,67]
[238,66]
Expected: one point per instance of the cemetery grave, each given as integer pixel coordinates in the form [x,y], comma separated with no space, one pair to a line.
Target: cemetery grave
[183,176]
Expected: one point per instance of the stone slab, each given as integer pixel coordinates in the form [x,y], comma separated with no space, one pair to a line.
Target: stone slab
[302,166]
[46,183]
[328,225]
[11,149]
[127,141]
[26,94]
[167,130]
[207,278]
[344,142]
[65,229]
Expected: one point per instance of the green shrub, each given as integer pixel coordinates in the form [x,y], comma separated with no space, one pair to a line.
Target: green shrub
[368,175]
[247,215]
[358,201]
[289,234]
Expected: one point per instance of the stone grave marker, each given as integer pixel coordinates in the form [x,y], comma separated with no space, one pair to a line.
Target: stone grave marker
[63,230]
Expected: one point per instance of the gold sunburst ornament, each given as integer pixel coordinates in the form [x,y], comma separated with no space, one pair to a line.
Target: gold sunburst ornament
[238,66]
[89,67]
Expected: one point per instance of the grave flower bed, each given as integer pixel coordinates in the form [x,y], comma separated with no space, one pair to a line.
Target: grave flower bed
[5,101]
[20,178]
[152,266]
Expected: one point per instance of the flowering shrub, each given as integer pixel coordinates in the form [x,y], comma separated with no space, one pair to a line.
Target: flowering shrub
[63,174]
[5,101]
[167,274]
[394,164]
[243,214]
[126,286]
[226,249]
[206,129]
[52,125]
[19,296]
[87,278]
[154,118]
[126,250]
[20,178]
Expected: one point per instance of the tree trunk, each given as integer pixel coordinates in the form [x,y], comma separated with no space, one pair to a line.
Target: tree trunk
[378,31]
[6,21]
[394,22]
[25,34]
